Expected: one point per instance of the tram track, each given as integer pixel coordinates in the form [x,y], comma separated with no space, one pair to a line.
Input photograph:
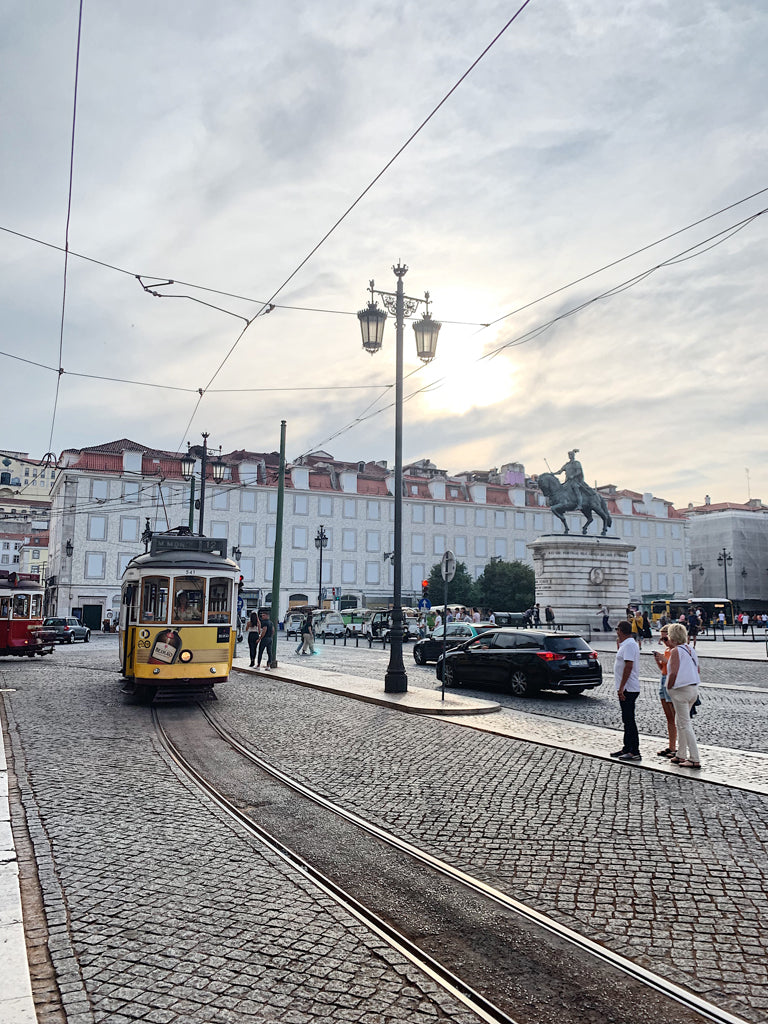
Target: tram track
[508,962]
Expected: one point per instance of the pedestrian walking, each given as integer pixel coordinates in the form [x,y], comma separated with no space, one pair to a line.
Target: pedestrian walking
[627,677]
[265,638]
[647,634]
[683,688]
[307,636]
[549,615]
[536,616]
[604,613]
[662,658]
[637,628]
[252,631]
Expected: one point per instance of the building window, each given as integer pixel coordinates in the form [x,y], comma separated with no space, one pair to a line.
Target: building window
[373,510]
[520,550]
[677,557]
[325,506]
[661,556]
[130,491]
[438,544]
[678,582]
[538,520]
[349,540]
[417,513]
[129,528]
[372,572]
[438,514]
[348,572]
[519,520]
[95,562]
[35,554]
[327,571]
[219,530]
[631,581]
[479,517]
[454,492]
[460,516]
[461,546]
[220,500]
[372,540]
[298,570]
[97,527]
[247,501]
[123,559]
[414,489]
[417,543]
[299,540]
[631,557]
[350,508]
[300,504]
[99,489]
[481,547]
[272,503]
[247,535]
[645,582]
[417,575]
[271,536]
[269,569]
[662,581]
[500,519]
[644,531]
[675,529]
[248,569]
[660,531]
[500,547]
[628,532]
[645,556]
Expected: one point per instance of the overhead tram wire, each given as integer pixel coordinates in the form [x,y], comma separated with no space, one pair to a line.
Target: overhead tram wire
[360,197]
[66,230]
[719,238]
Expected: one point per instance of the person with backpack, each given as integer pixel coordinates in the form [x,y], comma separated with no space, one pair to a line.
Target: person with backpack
[252,632]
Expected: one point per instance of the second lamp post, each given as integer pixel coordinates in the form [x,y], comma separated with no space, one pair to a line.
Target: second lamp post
[321,541]
[426,330]
[218,468]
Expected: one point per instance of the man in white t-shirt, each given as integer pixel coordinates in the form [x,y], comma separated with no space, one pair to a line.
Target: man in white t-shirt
[627,676]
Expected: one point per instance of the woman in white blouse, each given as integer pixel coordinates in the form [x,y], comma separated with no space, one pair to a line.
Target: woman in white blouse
[683,689]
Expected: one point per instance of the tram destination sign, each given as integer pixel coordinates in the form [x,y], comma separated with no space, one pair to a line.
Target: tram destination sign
[209,545]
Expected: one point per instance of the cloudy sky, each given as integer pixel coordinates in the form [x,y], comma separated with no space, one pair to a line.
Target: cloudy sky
[217,144]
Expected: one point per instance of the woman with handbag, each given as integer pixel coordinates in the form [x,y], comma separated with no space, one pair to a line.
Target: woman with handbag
[683,688]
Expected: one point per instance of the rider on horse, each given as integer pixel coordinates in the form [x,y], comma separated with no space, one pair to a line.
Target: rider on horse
[574,485]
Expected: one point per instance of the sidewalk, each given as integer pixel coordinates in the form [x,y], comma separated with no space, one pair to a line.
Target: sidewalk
[730,650]
[738,769]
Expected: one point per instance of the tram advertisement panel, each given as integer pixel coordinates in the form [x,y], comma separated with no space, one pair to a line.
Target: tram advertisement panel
[182,645]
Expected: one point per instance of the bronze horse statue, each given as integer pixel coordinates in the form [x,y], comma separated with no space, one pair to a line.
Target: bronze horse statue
[560,499]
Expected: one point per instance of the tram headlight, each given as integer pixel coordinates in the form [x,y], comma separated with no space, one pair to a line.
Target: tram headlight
[213,671]
[185,656]
[155,671]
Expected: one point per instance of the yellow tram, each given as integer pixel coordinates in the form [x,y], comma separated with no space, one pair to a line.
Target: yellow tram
[178,617]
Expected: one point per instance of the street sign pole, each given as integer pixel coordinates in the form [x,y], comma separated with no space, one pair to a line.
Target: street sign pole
[447,571]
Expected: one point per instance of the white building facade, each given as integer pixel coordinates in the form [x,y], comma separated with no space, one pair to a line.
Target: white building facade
[103,496]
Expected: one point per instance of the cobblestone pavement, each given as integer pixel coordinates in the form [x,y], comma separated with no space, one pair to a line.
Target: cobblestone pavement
[158,908]
[735,716]
[669,871]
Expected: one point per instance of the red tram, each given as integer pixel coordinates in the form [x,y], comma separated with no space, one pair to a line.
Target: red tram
[21,615]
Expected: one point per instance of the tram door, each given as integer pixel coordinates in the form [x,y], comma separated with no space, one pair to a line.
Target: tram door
[92,616]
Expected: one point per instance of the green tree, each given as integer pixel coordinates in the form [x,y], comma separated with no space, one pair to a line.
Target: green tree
[461,589]
[505,586]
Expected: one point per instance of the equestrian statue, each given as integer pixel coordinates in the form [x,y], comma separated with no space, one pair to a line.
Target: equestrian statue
[573,495]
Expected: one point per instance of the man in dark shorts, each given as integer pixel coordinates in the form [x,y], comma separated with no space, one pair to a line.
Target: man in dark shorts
[265,637]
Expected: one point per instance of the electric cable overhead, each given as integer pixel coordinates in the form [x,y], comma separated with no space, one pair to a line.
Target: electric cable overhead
[66,230]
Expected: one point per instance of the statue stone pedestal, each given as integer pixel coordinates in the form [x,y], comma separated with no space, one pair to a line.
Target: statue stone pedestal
[577,574]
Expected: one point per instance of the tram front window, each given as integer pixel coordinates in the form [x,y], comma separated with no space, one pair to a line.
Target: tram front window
[154,599]
[189,599]
[220,599]
[21,606]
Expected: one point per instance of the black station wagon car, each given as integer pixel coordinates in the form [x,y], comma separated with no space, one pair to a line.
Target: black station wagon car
[64,631]
[523,661]
[456,633]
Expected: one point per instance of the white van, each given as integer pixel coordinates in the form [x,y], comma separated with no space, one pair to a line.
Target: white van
[328,624]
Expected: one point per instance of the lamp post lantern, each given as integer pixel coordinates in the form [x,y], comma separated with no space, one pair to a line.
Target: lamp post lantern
[321,541]
[218,468]
[372,321]
[725,559]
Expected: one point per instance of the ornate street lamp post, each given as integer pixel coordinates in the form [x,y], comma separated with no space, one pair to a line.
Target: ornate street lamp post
[218,468]
[321,541]
[372,321]
[724,559]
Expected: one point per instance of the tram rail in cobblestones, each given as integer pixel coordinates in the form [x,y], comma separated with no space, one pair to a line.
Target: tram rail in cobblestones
[691,1006]
[482,1007]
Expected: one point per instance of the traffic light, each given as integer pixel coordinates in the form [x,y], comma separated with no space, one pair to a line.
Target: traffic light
[240,583]
[424,588]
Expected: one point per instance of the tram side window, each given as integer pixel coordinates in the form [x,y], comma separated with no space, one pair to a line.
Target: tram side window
[5,607]
[154,599]
[21,606]
[189,599]
[220,599]
[37,606]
